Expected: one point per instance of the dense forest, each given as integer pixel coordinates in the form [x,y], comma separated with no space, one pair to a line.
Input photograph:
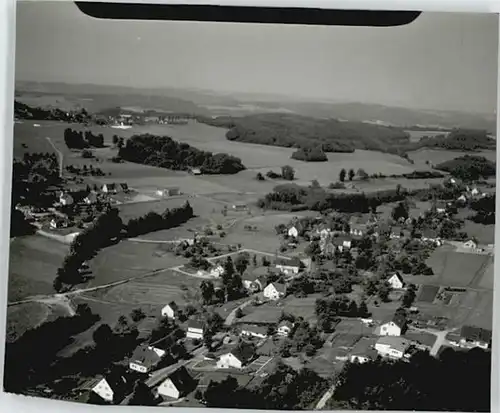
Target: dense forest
[469,140]
[469,167]
[81,140]
[23,111]
[164,152]
[297,131]
[455,381]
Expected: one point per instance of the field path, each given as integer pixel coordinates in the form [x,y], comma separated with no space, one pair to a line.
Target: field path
[324,399]
[59,154]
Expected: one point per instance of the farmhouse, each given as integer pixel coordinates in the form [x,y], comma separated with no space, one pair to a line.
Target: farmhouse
[396,281]
[250,330]
[195,171]
[65,199]
[109,189]
[293,231]
[475,337]
[217,271]
[289,266]
[470,244]
[171,310]
[124,187]
[284,328]
[342,242]
[174,191]
[392,347]
[441,207]
[252,285]
[462,198]
[274,291]
[359,225]
[363,351]
[90,199]
[177,384]
[195,330]
[236,359]
[431,235]
[145,358]
[395,327]
[240,207]
[110,388]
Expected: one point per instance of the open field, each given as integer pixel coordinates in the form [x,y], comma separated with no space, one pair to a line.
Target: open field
[485,234]
[23,317]
[33,264]
[302,307]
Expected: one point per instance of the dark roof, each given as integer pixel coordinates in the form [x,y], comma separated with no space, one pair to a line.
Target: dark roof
[293,262]
[145,356]
[281,288]
[397,274]
[363,347]
[254,328]
[243,352]
[340,239]
[181,379]
[124,186]
[476,333]
[195,324]
[111,186]
[399,319]
[173,306]
[429,233]
[285,323]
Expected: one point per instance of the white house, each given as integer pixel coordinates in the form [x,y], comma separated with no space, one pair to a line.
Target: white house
[65,199]
[91,198]
[109,188]
[217,271]
[392,347]
[104,390]
[274,291]
[462,198]
[293,232]
[195,171]
[145,358]
[470,244]
[236,359]
[195,330]
[291,266]
[284,328]
[177,384]
[110,388]
[168,192]
[474,192]
[250,330]
[171,310]
[396,281]
[471,337]
[395,327]
[363,351]
[240,207]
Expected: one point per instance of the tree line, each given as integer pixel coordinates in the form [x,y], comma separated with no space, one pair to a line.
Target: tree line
[164,152]
[23,111]
[469,167]
[315,154]
[82,140]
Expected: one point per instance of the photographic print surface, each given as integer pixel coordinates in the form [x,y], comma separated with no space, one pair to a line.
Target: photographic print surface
[253,216]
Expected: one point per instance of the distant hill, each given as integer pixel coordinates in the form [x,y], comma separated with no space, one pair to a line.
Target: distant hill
[468,140]
[305,132]
[469,167]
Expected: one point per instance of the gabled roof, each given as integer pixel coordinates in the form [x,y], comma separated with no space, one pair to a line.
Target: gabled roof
[397,343]
[399,319]
[398,275]
[110,186]
[243,352]
[92,197]
[429,233]
[364,347]
[285,323]
[476,333]
[281,288]
[173,306]
[254,329]
[145,356]
[294,262]
[181,379]
[124,186]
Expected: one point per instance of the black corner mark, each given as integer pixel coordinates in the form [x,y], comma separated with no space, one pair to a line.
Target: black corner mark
[277,15]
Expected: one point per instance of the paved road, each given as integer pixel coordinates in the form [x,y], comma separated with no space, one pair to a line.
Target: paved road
[324,399]
[440,338]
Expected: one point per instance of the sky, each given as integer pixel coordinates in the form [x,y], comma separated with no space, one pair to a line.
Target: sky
[440,61]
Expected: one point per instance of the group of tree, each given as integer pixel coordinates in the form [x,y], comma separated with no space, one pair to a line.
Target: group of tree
[232,280]
[425,383]
[362,175]
[329,310]
[81,140]
[295,131]
[292,197]
[153,221]
[118,141]
[26,368]
[484,210]
[164,152]
[23,111]
[378,286]
[106,228]
[469,167]
[467,140]
[85,170]
[314,154]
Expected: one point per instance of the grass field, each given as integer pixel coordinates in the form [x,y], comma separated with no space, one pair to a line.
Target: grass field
[33,265]
[23,317]
[302,307]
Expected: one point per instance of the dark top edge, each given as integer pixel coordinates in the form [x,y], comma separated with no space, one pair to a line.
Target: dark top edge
[266,15]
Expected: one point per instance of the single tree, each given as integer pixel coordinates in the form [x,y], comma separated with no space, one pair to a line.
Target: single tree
[351,174]
[342,175]
[288,173]
[137,315]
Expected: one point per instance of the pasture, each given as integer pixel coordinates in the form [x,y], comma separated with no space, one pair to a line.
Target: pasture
[23,317]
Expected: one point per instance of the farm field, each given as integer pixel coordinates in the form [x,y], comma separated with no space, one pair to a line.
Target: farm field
[33,264]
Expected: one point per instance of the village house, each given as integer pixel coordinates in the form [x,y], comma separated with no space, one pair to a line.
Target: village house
[274,291]
[109,189]
[431,235]
[195,171]
[293,231]
[392,347]
[124,187]
[440,207]
[65,199]
[251,330]
[462,198]
[216,271]
[236,359]
[284,328]
[359,225]
[342,242]
[195,330]
[363,351]
[174,191]
[327,248]
[90,199]
[177,384]
[470,244]
[398,232]
[240,207]
[475,192]
[471,337]
[394,327]
[145,358]
[171,310]
[110,388]
[289,266]
[58,223]
[396,281]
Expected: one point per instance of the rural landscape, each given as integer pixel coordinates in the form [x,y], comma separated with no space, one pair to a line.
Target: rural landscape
[179,248]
